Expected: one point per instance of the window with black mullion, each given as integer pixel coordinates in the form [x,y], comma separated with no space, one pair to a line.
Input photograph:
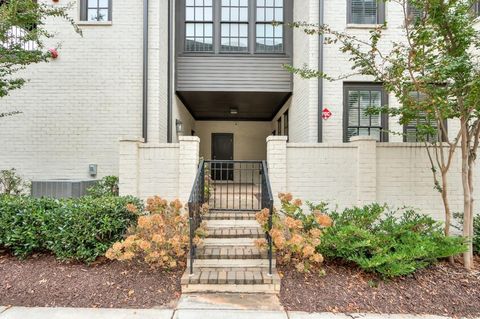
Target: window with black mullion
[199,25]
[358,121]
[234,25]
[269,36]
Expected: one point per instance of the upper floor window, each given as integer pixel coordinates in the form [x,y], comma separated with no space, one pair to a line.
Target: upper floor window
[96,10]
[269,34]
[477,8]
[198,25]
[357,122]
[234,26]
[365,12]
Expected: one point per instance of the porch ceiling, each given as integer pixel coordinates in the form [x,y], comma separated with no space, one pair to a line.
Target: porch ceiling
[251,106]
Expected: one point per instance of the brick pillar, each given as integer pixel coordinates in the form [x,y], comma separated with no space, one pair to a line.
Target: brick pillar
[277,165]
[366,169]
[189,158]
[128,169]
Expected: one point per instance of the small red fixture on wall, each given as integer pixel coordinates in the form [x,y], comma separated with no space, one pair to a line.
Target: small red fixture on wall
[53,53]
[326,114]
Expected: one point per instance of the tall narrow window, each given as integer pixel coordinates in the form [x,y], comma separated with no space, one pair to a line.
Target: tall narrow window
[234,24]
[199,25]
[420,129]
[477,8]
[285,123]
[96,10]
[357,121]
[269,26]
[366,12]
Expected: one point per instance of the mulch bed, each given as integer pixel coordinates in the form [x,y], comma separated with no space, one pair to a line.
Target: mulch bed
[442,289]
[43,281]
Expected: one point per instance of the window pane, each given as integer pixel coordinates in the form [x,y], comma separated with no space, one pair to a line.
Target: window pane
[92,3]
[359,122]
[103,15]
[103,3]
[364,11]
[190,14]
[190,30]
[92,15]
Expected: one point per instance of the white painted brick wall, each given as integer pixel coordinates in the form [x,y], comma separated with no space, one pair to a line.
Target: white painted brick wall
[361,172]
[167,170]
[76,109]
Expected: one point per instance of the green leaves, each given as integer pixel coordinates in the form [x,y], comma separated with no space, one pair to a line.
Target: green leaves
[22,36]
[80,229]
[388,243]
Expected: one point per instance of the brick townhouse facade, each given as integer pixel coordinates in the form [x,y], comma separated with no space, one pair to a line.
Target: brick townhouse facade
[151,86]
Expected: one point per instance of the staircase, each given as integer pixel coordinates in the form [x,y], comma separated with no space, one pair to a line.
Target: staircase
[228,261]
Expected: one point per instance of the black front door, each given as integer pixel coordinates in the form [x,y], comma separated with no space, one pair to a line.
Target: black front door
[222,150]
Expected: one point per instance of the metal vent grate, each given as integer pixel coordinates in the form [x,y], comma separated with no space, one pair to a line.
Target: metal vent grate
[61,188]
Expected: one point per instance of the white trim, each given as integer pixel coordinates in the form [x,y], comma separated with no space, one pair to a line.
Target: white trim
[94,23]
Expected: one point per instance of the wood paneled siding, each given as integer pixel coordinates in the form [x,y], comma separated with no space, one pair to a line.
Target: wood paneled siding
[233,72]
[238,74]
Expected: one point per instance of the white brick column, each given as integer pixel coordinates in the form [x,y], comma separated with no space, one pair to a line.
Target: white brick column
[128,166]
[366,169]
[189,158]
[277,165]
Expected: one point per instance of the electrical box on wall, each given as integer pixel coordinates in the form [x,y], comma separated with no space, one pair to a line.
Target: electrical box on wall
[92,169]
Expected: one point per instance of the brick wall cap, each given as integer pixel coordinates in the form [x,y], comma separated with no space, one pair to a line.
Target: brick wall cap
[132,139]
[189,139]
[272,138]
[363,139]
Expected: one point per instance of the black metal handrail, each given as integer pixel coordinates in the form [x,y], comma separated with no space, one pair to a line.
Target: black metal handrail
[195,202]
[267,202]
[230,186]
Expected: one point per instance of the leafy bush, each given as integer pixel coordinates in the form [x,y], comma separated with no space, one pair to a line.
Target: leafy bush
[79,229]
[295,234]
[11,183]
[160,238]
[107,186]
[383,243]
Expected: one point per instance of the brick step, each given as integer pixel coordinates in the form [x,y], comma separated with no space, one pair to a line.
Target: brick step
[230,216]
[233,289]
[222,277]
[231,223]
[232,263]
[228,242]
[235,232]
[230,252]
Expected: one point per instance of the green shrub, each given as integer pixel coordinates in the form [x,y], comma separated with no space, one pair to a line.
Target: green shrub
[386,244]
[79,229]
[107,186]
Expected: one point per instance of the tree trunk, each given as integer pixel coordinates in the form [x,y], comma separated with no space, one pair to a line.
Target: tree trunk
[446,204]
[467,213]
[472,199]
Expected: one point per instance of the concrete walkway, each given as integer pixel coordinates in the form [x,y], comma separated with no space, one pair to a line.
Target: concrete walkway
[207,306]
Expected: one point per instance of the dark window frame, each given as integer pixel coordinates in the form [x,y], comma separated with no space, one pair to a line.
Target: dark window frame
[231,22]
[362,86]
[381,16]
[279,126]
[84,11]
[285,123]
[287,33]
[201,23]
[265,23]
[408,126]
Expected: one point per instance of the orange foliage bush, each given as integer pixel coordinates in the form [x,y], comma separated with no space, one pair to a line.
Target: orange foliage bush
[161,236]
[295,235]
